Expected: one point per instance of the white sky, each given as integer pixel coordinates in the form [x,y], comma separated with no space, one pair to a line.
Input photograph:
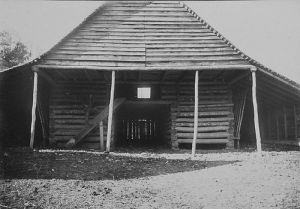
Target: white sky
[268,31]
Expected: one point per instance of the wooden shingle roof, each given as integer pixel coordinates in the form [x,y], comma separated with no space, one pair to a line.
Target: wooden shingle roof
[143,35]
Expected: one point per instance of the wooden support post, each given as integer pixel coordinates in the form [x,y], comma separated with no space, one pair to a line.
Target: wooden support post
[269,125]
[101,134]
[255,110]
[285,123]
[195,115]
[110,111]
[295,121]
[33,111]
[277,127]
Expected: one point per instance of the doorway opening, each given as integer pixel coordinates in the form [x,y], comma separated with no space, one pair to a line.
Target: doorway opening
[142,125]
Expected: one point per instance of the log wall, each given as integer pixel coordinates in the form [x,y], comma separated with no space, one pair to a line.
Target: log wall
[70,102]
[72,105]
[215,113]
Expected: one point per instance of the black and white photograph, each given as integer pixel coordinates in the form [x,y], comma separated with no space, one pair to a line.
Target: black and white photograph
[150,104]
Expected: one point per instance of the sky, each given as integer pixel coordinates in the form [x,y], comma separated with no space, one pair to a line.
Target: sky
[267,31]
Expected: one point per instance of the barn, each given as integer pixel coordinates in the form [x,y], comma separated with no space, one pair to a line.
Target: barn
[146,73]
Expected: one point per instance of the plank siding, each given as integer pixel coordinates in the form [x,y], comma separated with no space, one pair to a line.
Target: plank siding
[156,34]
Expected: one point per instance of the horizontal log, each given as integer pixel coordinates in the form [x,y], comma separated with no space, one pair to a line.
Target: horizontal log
[214,109]
[202,124]
[200,114]
[203,135]
[191,67]
[217,119]
[204,141]
[216,97]
[68,117]
[204,106]
[202,129]
[68,111]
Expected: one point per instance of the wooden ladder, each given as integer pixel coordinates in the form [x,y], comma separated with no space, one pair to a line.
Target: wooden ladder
[93,123]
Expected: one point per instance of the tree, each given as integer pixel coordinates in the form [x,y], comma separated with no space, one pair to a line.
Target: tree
[12,52]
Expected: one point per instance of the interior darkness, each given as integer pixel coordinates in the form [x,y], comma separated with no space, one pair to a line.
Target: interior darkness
[142,125]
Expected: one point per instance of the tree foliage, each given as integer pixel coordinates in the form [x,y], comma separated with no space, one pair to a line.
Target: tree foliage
[12,52]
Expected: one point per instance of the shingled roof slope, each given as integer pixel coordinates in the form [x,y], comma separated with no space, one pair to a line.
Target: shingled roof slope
[143,34]
[115,19]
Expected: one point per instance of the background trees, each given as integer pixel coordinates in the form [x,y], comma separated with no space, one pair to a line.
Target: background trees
[12,52]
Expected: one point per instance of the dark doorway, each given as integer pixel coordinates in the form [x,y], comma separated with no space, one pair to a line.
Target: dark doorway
[142,125]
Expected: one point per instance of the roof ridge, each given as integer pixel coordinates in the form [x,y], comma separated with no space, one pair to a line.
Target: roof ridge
[217,33]
[242,54]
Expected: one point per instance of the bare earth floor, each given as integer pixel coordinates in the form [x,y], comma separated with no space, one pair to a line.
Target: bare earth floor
[246,181]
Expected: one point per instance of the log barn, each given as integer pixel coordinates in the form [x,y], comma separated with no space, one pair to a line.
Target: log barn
[147,73]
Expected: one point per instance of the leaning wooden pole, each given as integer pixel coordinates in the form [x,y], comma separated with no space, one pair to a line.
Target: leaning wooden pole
[110,111]
[33,111]
[101,135]
[255,110]
[195,115]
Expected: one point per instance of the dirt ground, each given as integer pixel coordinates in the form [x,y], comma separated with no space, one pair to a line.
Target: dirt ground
[226,179]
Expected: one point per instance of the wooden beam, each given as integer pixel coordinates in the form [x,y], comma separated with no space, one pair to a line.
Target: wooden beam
[277,127]
[295,121]
[269,114]
[44,75]
[101,134]
[238,78]
[110,111]
[255,110]
[285,123]
[148,68]
[195,114]
[33,110]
